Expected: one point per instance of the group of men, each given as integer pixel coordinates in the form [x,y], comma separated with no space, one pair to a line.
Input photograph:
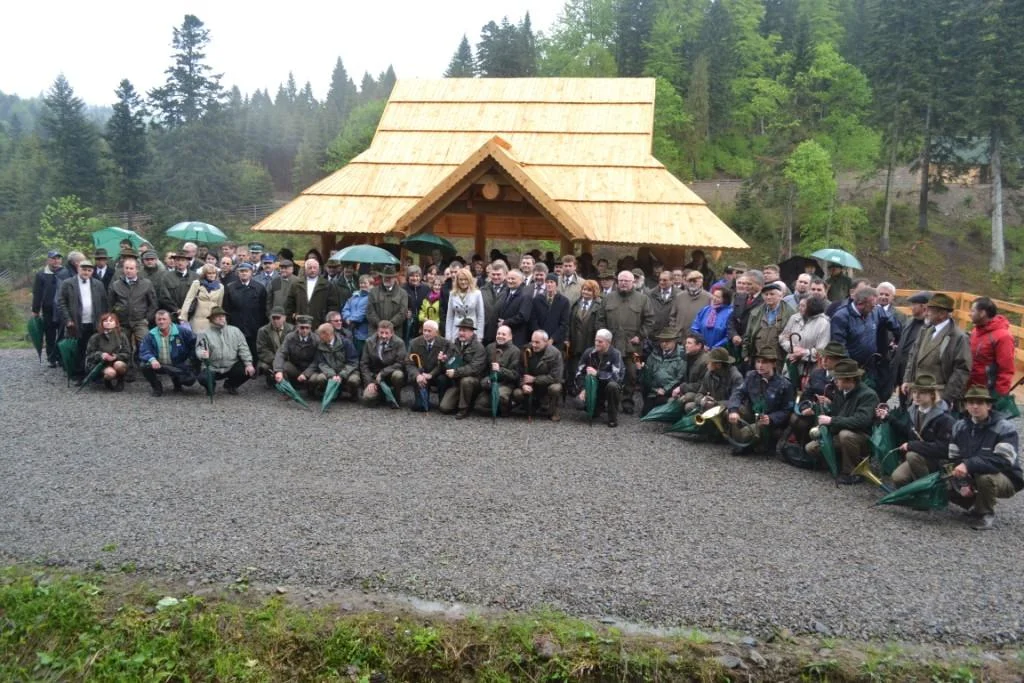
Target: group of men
[545,331]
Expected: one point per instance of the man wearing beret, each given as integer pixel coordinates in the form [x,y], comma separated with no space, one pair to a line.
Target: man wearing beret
[987,449]
[295,360]
[228,353]
[942,350]
[269,340]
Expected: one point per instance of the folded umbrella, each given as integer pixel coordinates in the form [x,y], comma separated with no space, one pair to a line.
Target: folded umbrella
[422,392]
[389,395]
[927,493]
[67,350]
[687,424]
[828,451]
[211,382]
[333,387]
[285,387]
[96,371]
[669,412]
[590,403]
[36,332]
[495,397]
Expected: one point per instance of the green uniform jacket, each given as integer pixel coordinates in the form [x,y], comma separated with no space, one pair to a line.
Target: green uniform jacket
[100,343]
[947,359]
[337,358]
[663,372]
[392,359]
[171,290]
[428,361]
[759,334]
[472,355]
[855,411]
[696,369]
[508,362]
[268,341]
[721,384]
[132,303]
[385,305]
[227,345]
[301,354]
[627,317]
[547,367]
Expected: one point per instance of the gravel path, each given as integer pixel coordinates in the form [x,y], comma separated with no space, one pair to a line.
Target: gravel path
[597,522]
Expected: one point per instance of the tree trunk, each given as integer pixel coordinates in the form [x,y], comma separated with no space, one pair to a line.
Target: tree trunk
[998,262]
[926,162]
[883,244]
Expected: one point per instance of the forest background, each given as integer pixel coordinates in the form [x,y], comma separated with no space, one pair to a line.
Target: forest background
[848,123]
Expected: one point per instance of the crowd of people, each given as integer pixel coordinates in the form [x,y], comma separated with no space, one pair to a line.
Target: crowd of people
[780,361]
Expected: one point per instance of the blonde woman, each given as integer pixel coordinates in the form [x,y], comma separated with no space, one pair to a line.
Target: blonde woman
[203,296]
[464,301]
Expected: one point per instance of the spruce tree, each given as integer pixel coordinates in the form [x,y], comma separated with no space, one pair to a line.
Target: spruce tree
[71,144]
[190,92]
[463,64]
[129,153]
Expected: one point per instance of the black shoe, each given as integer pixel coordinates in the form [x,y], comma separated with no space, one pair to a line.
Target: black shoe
[156,391]
[462,415]
[984,523]
[52,363]
[231,390]
[119,384]
[627,408]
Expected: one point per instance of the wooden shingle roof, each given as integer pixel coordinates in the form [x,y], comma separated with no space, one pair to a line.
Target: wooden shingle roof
[580,147]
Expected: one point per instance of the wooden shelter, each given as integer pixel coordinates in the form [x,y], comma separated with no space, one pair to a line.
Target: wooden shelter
[521,158]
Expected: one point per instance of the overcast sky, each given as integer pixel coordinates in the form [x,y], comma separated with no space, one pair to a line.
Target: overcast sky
[255,45]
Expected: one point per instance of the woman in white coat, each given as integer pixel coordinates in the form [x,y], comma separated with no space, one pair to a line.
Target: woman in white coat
[465,301]
[203,296]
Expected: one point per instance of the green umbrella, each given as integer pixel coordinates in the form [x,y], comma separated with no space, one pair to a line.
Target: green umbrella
[365,253]
[590,388]
[1004,404]
[211,381]
[333,387]
[495,396]
[828,451]
[882,441]
[669,412]
[67,350]
[111,238]
[839,257]
[389,395]
[927,493]
[687,424]
[286,388]
[426,243]
[96,371]
[36,332]
[194,231]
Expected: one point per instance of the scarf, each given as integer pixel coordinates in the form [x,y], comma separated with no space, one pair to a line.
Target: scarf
[712,317]
[211,286]
[433,296]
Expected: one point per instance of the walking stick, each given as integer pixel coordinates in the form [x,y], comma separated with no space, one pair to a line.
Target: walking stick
[527,354]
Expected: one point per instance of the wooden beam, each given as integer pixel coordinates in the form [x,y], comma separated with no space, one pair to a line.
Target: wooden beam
[480,241]
[499,208]
[327,242]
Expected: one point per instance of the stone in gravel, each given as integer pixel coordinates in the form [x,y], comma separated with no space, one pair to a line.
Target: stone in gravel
[822,629]
[546,647]
[756,658]
[748,641]
[730,661]
[280,590]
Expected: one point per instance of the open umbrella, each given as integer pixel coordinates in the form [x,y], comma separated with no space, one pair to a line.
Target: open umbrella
[426,243]
[839,257]
[36,332]
[389,395]
[286,388]
[669,412]
[111,238]
[333,387]
[365,253]
[67,350]
[590,396]
[927,493]
[96,371]
[194,231]
[791,268]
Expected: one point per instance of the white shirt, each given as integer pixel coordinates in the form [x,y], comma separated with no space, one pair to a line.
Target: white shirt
[936,329]
[310,286]
[85,291]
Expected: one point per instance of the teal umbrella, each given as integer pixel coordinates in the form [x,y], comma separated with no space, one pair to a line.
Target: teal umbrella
[389,395]
[96,371]
[839,257]
[194,231]
[669,412]
[426,243]
[36,332]
[927,493]
[495,397]
[590,396]
[687,424]
[366,253]
[67,350]
[333,387]
[828,451]
[286,388]
[111,238]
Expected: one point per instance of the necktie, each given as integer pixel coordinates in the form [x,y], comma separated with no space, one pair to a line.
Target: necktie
[551,300]
[430,345]
[565,282]
[131,282]
[586,306]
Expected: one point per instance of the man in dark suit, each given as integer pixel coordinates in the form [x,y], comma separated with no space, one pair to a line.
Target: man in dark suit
[429,371]
[246,304]
[103,272]
[312,295]
[551,313]
[516,309]
[494,292]
[82,301]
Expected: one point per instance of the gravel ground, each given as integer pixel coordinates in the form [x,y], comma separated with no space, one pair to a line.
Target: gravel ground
[626,523]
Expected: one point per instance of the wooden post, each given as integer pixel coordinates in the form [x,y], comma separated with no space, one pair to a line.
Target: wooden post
[480,237]
[327,242]
[567,246]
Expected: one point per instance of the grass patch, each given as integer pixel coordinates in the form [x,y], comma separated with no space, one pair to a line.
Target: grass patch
[83,627]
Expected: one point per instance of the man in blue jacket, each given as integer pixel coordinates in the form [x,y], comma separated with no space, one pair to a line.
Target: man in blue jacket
[167,350]
[857,325]
[987,448]
[759,409]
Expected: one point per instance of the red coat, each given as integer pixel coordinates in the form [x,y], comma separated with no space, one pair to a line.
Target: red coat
[992,344]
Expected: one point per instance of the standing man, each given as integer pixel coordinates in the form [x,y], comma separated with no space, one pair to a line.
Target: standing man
[516,309]
[277,292]
[82,301]
[311,295]
[856,325]
[569,285]
[943,351]
[134,301]
[766,324]
[44,292]
[102,272]
[246,304]
[992,348]
[551,313]
[267,271]
[838,284]
[416,291]
[908,337]
[801,290]
[494,292]
[605,362]
[747,299]
[629,317]
[387,302]
[174,286]
[691,300]
[663,301]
